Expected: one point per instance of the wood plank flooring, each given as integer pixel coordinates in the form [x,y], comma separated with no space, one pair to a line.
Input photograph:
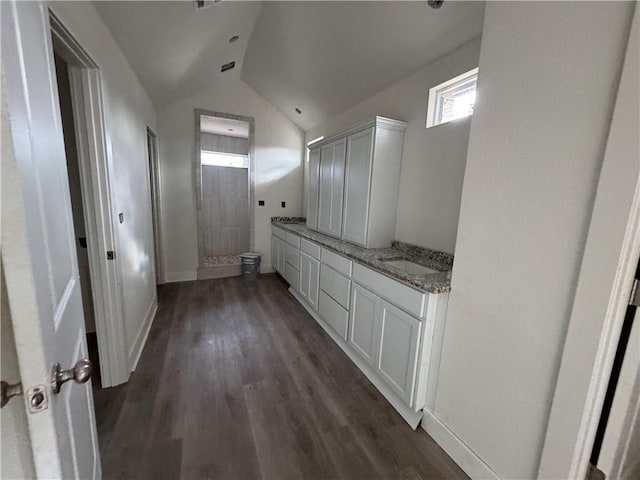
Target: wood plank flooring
[237,381]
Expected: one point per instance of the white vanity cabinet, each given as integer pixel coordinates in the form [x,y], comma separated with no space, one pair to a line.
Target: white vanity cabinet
[285,255]
[357,183]
[390,330]
[387,338]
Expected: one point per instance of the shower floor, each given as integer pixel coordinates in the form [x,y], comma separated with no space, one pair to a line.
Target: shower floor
[217,260]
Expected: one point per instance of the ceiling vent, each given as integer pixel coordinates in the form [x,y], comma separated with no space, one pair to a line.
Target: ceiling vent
[205,3]
[227,66]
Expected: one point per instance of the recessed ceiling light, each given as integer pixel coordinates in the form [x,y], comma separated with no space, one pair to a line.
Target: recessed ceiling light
[435,3]
[234,39]
[298,111]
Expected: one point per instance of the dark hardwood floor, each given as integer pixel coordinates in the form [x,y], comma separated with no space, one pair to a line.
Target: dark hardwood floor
[237,381]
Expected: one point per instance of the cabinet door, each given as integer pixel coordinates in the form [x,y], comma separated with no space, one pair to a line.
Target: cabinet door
[309,279]
[314,189]
[274,252]
[363,324]
[324,197]
[337,186]
[398,349]
[357,186]
[304,275]
[314,282]
[281,259]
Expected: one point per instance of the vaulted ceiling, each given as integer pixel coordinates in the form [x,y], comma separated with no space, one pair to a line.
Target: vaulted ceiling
[320,57]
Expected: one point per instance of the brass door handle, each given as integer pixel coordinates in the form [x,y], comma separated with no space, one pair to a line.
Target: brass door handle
[80,373]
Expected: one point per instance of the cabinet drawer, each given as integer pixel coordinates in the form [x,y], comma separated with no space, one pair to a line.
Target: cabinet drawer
[407,298]
[334,314]
[339,263]
[334,284]
[292,239]
[278,233]
[292,276]
[310,248]
[292,256]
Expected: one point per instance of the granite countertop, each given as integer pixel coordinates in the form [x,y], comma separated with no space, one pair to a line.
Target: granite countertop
[374,258]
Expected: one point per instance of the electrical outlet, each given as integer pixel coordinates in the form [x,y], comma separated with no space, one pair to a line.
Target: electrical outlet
[283,204]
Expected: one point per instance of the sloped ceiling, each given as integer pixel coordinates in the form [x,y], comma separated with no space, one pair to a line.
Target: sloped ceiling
[324,57]
[175,49]
[320,57]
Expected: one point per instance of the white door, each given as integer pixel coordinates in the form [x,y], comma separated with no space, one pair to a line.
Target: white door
[314,179]
[398,349]
[38,254]
[357,186]
[363,323]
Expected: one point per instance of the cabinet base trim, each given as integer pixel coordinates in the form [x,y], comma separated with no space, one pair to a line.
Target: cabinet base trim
[459,451]
[409,415]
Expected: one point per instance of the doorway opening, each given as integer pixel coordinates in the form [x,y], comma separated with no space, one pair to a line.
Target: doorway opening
[78,209]
[81,109]
[225,190]
[156,216]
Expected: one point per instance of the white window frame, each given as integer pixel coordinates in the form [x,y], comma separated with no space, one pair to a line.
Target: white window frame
[434,102]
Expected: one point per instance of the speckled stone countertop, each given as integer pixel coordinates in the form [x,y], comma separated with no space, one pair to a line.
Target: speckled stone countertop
[375,257]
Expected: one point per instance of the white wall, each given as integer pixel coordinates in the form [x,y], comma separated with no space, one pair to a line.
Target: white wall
[278,170]
[128,111]
[433,160]
[548,80]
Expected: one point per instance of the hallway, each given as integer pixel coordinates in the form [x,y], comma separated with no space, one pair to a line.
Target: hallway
[238,381]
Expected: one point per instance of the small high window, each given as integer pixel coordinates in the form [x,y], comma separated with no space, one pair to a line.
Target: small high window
[452,99]
[217,159]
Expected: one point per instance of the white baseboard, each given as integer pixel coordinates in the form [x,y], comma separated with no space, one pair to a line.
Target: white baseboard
[459,451]
[172,277]
[141,338]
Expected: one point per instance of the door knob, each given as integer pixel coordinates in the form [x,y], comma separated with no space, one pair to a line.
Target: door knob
[80,373]
[9,390]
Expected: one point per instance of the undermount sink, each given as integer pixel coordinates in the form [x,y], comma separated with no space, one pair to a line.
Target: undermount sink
[410,267]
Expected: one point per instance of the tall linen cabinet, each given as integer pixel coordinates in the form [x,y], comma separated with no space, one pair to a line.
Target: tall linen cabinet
[353,183]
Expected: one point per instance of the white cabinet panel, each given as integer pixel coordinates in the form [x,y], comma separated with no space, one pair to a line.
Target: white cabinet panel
[336,316]
[335,285]
[409,299]
[292,255]
[292,239]
[292,275]
[281,260]
[398,349]
[274,251]
[331,190]
[310,248]
[325,184]
[339,263]
[313,190]
[363,322]
[309,279]
[337,187]
[357,186]
[278,232]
